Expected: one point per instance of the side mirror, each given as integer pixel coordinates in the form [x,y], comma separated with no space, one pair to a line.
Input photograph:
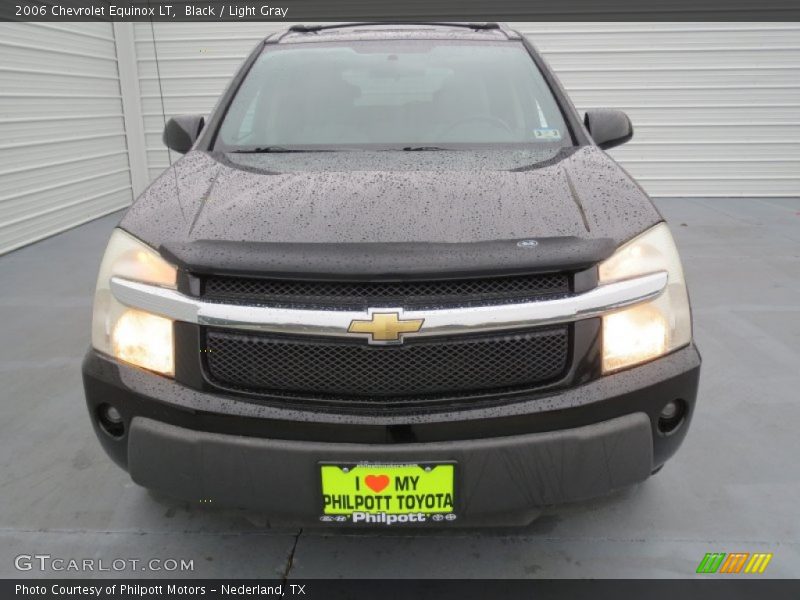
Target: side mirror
[181,132]
[608,127]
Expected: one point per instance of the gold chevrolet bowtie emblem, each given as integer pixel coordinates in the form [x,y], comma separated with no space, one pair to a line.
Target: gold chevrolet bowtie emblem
[385,328]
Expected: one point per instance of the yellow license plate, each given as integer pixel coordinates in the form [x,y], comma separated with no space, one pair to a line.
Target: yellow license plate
[388,494]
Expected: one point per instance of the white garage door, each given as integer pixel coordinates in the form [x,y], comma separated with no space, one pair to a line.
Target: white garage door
[63,156]
[716,106]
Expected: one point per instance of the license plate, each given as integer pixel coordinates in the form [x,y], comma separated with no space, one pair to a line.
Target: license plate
[388,494]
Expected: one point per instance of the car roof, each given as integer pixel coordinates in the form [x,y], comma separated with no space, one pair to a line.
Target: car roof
[393,31]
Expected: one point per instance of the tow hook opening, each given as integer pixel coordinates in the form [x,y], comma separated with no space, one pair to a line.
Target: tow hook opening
[672,416]
[110,420]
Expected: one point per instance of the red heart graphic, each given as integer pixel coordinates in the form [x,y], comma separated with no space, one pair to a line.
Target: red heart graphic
[377,483]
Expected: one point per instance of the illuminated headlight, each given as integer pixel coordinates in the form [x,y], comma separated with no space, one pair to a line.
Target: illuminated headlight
[132,335]
[651,329]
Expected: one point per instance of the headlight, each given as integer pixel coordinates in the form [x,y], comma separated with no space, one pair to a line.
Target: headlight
[132,335]
[651,329]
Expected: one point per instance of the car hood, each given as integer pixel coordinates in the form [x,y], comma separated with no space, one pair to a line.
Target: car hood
[365,211]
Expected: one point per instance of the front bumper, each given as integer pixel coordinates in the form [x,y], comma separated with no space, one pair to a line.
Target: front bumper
[512,459]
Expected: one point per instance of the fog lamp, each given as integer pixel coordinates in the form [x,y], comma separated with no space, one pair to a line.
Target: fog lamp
[671,416]
[669,411]
[112,414]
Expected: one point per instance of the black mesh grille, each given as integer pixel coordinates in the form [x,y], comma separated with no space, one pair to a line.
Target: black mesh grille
[385,293]
[416,370]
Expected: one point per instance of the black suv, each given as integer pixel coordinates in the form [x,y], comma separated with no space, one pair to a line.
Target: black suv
[394,280]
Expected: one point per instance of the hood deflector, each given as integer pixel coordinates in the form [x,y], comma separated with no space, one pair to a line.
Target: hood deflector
[390,260]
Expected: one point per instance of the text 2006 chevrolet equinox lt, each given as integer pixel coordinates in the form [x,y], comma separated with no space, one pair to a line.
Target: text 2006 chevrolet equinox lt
[394,280]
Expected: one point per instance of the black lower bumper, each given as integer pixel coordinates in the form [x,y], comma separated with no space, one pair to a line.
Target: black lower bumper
[512,459]
[500,480]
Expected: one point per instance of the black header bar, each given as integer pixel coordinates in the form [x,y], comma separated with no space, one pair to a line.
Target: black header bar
[383,10]
[418,589]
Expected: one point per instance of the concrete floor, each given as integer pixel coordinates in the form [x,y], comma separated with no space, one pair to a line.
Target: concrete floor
[733,487]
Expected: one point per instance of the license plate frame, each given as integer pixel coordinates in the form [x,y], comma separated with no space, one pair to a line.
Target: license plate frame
[387,493]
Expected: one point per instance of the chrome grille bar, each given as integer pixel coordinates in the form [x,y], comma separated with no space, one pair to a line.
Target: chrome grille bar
[437,322]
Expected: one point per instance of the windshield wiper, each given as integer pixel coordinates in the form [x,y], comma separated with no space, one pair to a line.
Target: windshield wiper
[278,149]
[424,148]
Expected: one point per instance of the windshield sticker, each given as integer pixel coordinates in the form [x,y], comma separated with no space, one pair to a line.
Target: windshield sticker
[547,134]
[542,118]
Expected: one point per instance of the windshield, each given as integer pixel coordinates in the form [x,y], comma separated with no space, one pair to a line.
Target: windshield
[407,94]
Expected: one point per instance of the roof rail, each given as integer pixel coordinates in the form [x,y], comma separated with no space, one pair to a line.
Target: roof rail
[511,34]
[474,26]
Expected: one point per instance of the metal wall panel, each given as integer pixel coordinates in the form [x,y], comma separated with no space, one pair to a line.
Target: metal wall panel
[716,106]
[195,62]
[63,153]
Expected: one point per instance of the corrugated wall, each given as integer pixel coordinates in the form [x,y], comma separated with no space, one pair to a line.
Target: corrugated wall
[716,106]
[195,62]
[63,154]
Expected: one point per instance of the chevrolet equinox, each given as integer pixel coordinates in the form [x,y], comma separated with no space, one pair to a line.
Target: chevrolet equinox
[395,280]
